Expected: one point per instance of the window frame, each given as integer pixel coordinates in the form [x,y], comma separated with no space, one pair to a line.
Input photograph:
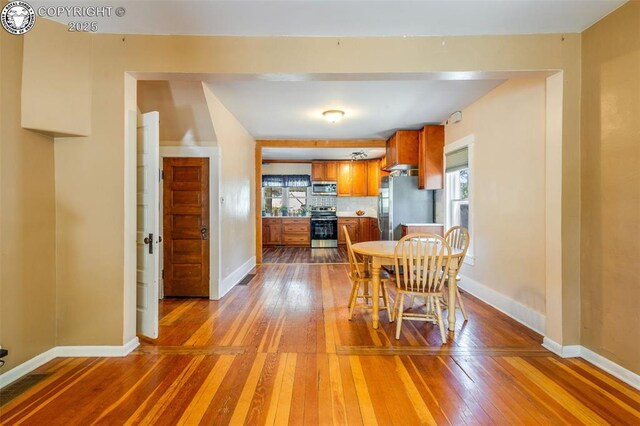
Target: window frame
[465,142]
[285,195]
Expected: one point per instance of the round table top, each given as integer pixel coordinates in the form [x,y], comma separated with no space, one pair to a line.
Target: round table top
[386,249]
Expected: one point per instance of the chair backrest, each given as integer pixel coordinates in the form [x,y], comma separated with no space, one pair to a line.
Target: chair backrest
[356,272]
[458,238]
[422,262]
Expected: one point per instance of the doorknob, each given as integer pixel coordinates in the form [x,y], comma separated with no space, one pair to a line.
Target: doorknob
[203,232]
[149,240]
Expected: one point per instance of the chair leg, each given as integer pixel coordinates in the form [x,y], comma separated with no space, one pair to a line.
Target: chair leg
[365,292]
[411,300]
[354,298]
[440,321]
[387,303]
[459,300]
[399,315]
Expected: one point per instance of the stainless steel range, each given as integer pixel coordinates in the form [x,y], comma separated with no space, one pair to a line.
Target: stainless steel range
[324,227]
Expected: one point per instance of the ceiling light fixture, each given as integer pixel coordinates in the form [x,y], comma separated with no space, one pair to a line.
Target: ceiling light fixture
[333,115]
[359,155]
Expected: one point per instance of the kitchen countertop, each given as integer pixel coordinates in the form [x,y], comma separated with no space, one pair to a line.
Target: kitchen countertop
[372,215]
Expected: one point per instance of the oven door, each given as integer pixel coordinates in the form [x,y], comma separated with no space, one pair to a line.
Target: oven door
[324,232]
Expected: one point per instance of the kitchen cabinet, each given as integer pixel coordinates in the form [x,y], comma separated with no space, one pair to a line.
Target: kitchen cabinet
[359,228]
[353,178]
[324,171]
[402,150]
[271,231]
[286,231]
[374,173]
[431,157]
[352,224]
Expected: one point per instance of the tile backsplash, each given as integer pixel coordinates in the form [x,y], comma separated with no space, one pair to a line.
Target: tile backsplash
[351,204]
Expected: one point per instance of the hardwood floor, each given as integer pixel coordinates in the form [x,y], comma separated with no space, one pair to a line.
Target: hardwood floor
[273,254]
[281,350]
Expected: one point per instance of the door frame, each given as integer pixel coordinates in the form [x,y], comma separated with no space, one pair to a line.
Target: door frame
[215,225]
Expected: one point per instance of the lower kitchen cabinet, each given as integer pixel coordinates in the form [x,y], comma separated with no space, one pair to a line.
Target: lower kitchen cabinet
[286,231]
[359,228]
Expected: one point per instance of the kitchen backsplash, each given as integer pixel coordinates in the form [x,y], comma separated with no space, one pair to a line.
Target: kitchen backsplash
[322,201]
[351,204]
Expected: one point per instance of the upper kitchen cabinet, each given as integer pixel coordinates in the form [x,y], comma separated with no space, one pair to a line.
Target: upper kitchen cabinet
[431,157]
[402,150]
[374,172]
[352,179]
[324,171]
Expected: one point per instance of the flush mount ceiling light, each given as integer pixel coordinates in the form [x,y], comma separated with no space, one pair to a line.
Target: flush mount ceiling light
[333,115]
[359,155]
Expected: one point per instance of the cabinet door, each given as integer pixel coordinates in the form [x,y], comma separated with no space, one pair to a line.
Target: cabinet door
[331,171]
[352,229]
[373,177]
[359,182]
[375,232]
[344,178]
[317,171]
[364,229]
[431,157]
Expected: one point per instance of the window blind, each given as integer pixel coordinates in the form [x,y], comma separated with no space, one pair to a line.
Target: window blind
[457,160]
[286,181]
[272,181]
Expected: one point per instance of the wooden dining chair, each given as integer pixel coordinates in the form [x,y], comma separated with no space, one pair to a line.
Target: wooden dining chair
[421,263]
[458,238]
[360,276]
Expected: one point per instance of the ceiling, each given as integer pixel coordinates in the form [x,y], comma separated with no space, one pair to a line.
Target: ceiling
[349,17]
[373,109]
[307,154]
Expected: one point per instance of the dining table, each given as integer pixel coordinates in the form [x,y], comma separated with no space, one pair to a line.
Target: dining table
[382,254]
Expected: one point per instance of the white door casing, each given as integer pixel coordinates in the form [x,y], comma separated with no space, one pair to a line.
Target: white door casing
[148,224]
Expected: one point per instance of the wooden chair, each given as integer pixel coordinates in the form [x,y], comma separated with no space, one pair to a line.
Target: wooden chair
[458,238]
[421,264]
[360,276]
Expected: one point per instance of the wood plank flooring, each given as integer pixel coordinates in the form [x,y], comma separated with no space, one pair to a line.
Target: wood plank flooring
[281,351]
[274,254]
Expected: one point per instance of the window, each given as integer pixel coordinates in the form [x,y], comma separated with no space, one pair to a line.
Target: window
[285,192]
[458,188]
[272,198]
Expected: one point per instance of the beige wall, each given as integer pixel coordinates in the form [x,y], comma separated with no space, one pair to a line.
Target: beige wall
[65,79]
[286,169]
[610,291]
[237,186]
[90,186]
[27,222]
[184,115]
[508,189]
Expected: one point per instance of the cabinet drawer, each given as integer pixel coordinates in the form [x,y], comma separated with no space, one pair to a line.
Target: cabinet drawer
[295,221]
[296,239]
[296,228]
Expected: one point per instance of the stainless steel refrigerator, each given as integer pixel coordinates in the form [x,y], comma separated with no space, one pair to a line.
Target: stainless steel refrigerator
[400,202]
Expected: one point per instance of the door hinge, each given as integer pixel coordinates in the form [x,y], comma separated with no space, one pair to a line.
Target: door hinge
[163,274]
[161,174]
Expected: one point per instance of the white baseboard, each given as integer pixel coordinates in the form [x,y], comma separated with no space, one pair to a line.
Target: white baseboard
[575,351]
[570,351]
[627,376]
[516,310]
[66,352]
[234,278]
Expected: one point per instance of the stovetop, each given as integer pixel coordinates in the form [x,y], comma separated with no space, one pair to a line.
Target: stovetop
[323,212]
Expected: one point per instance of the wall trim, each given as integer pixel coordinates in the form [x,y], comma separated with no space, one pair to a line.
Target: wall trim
[234,278]
[578,351]
[514,309]
[66,352]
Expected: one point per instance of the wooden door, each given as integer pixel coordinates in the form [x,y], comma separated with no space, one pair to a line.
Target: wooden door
[317,171]
[331,171]
[359,182]
[431,157]
[344,178]
[271,231]
[375,231]
[186,227]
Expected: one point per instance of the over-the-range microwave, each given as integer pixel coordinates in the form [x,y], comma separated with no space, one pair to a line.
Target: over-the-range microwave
[324,188]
